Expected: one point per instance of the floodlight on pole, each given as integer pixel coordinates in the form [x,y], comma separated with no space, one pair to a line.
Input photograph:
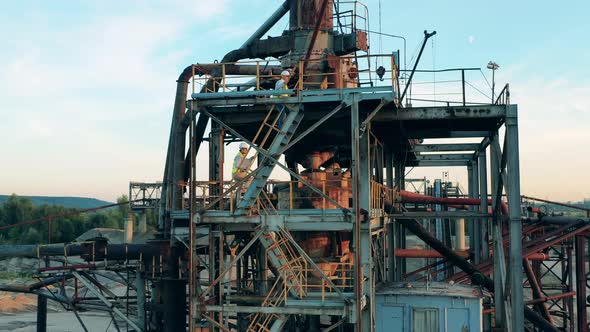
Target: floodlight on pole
[493,66]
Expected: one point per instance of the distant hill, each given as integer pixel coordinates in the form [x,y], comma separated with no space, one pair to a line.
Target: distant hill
[69,202]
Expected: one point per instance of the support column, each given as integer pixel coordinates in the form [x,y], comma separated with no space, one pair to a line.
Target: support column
[41,313]
[400,231]
[390,224]
[438,225]
[460,234]
[361,189]
[582,316]
[140,291]
[142,223]
[483,194]
[129,228]
[499,258]
[474,240]
[215,159]
[515,226]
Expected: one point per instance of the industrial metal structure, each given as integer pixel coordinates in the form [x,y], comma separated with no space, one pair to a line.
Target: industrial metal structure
[308,249]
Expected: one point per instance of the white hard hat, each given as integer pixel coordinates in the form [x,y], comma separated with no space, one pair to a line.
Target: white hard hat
[243,145]
[285,73]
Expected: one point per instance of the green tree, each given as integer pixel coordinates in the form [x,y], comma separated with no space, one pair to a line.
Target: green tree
[18,209]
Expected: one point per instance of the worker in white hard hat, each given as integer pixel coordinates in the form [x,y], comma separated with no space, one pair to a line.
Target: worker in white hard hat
[242,165]
[282,84]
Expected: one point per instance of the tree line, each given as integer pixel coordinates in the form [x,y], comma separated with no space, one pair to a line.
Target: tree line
[63,229]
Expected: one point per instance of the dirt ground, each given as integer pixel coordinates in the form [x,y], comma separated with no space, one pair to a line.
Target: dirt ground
[56,322]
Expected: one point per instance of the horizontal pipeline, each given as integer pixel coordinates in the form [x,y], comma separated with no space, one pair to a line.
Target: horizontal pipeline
[410,197]
[429,253]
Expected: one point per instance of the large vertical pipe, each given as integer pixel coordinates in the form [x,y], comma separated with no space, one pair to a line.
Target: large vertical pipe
[499,277]
[483,193]
[515,227]
[174,167]
[41,313]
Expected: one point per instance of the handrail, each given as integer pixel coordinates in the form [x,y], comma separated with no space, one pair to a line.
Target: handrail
[333,72]
[504,96]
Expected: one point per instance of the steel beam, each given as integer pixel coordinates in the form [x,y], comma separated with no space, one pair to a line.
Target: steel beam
[445,157]
[442,113]
[444,147]
[286,310]
[442,163]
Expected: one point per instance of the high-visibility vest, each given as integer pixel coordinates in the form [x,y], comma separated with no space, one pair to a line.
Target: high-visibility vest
[237,160]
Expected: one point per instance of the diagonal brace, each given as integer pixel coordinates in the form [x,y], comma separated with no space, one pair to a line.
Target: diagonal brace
[370,117]
[315,125]
[108,303]
[238,256]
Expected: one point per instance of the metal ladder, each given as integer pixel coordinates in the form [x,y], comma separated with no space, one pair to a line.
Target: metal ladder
[282,138]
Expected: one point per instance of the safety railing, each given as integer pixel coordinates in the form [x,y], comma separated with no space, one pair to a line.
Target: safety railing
[379,195]
[291,195]
[330,73]
[206,192]
[350,16]
[340,273]
[504,96]
[450,87]
[287,195]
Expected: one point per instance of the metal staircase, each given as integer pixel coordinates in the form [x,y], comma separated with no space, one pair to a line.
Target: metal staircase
[281,139]
[291,280]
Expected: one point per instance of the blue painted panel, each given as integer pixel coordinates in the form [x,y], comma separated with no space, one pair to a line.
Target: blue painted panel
[458,319]
[393,318]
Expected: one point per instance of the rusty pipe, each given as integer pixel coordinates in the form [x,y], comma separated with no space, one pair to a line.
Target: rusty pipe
[410,197]
[428,253]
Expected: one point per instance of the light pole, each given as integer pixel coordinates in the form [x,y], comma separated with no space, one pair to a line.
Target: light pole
[493,66]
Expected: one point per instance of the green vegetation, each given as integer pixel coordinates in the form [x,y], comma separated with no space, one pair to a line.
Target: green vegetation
[63,229]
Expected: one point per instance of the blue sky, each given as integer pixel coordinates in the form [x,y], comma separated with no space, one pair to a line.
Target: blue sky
[86,87]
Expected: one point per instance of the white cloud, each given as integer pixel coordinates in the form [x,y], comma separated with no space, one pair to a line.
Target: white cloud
[86,109]
[471,39]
